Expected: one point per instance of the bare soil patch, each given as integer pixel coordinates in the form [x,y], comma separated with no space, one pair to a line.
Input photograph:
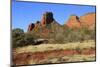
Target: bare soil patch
[54,55]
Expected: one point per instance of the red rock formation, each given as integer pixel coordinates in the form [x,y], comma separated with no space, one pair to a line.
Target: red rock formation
[47,18]
[87,20]
[31,27]
[37,26]
[73,22]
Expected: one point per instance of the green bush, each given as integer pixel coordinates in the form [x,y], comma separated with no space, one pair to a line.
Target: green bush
[29,39]
[19,38]
[60,35]
[79,35]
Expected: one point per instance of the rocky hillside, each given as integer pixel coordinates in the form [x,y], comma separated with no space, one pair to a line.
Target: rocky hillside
[48,26]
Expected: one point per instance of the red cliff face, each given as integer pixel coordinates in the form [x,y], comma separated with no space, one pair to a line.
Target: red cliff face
[30,27]
[73,22]
[37,24]
[87,20]
[47,18]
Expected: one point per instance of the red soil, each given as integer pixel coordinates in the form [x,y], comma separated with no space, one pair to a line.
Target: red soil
[23,58]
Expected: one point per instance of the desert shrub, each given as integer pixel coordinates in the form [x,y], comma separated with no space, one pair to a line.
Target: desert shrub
[93,35]
[35,35]
[60,35]
[87,34]
[69,35]
[59,39]
[19,38]
[17,32]
[79,35]
[29,39]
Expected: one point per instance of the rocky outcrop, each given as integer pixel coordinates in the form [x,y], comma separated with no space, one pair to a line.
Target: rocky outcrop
[37,25]
[31,27]
[47,18]
[73,22]
[88,21]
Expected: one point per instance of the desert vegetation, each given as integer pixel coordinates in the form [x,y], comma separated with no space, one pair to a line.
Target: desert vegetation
[20,38]
[47,47]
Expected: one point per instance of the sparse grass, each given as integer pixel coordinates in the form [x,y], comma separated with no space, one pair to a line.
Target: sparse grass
[47,47]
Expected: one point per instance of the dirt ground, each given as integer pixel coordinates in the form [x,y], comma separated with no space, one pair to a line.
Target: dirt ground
[54,56]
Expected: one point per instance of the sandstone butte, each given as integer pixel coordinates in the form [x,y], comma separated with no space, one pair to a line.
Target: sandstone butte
[87,20]
[47,18]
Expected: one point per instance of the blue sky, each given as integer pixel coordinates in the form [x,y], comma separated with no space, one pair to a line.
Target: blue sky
[24,13]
